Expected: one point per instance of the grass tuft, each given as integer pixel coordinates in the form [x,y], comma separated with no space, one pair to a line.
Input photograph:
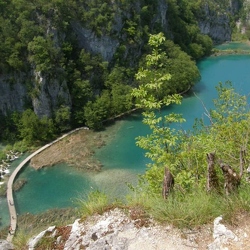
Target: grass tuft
[195,208]
[96,203]
[21,239]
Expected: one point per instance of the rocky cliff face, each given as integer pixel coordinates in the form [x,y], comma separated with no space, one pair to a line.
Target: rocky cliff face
[105,45]
[216,25]
[13,93]
[51,93]
[215,20]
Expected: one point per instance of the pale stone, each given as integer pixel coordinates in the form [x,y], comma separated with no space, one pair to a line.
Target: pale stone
[33,242]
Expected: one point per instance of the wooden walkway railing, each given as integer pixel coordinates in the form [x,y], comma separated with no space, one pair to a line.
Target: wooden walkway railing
[10,199]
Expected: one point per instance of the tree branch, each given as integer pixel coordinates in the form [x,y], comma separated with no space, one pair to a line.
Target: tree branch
[206,111]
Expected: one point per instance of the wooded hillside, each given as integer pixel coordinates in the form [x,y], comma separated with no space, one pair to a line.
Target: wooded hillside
[65,64]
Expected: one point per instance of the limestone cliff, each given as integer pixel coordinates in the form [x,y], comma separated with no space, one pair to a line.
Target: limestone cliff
[105,45]
[51,93]
[13,93]
[215,19]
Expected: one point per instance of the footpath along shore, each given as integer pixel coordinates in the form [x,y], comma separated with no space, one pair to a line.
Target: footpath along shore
[10,199]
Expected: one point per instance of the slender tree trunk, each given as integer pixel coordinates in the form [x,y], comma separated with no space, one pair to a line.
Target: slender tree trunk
[168,183]
[242,161]
[212,180]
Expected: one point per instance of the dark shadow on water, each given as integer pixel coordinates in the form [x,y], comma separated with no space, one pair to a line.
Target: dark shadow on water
[134,116]
[198,88]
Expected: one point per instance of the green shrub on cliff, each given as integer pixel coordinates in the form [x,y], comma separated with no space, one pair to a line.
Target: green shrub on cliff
[33,130]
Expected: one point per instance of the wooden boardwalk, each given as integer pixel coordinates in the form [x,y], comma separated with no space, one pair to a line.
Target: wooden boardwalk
[10,199]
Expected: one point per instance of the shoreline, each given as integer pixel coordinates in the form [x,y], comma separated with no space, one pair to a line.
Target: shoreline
[230,52]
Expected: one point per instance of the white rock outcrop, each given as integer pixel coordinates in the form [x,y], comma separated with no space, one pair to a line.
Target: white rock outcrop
[221,236]
[34,241]
[114,230]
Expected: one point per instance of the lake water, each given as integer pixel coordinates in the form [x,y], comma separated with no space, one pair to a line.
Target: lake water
[59,186]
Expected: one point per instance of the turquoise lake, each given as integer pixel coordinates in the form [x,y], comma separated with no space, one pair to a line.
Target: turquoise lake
[122,160]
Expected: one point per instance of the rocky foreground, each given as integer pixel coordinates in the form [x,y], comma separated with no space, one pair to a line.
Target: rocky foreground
[121,230]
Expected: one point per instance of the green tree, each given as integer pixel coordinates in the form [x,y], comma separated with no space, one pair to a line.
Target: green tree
[81,92]
[183,27]
[183,70]
[117,82]
[226,133]
[34,130]
[62,118]
[44,54]
[172,60]
[163,141]
[185,153]
[121,100]
[95,112]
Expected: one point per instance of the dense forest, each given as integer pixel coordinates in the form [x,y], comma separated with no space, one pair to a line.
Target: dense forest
[73,63]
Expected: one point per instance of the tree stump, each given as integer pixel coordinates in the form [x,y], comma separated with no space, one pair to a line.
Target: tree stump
[168,183]
[212,180]
[232,179]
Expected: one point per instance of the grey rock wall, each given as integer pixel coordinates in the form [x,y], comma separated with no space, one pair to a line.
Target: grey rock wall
[51,94]
[217,28]
[216,24]
[105,45]
[12,93]
[215,20]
